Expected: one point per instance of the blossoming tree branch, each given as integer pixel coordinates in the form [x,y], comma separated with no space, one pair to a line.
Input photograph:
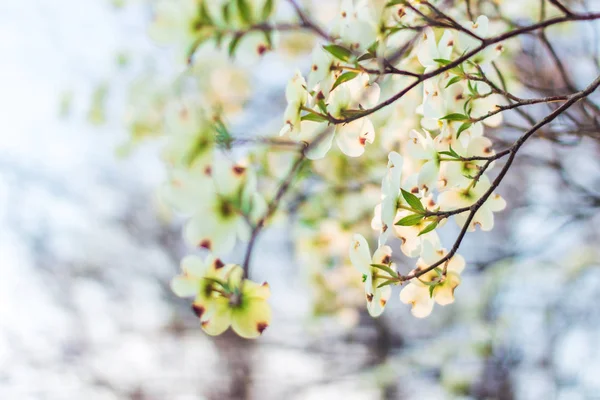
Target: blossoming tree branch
[406,89]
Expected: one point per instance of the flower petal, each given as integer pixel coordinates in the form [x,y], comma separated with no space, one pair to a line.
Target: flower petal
[360,254]
[418,297]
[252,318]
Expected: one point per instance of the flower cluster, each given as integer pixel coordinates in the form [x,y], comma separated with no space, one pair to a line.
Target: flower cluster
[383,84]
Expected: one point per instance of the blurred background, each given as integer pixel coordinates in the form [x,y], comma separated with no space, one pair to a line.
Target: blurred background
[87,251]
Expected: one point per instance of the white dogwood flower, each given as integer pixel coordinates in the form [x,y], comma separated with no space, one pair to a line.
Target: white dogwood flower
[433,286]
[296,96]
[465,197]
[360,255]
[429,50]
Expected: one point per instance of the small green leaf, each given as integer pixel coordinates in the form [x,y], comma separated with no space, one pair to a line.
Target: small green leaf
[364,277]
[429,228]
[450,153]
[385,268]
[352,113]
[338,52]
[442,61]
[366,56]
[217,281]
[345,77]
[204,16]
[387,283]
[446,153]
[313,117]
[410,220]
[453,81]
[267,9]
[454,152]
[431,289]
[222,136]
[392,3]
[455,117]
[433,283]
[413,201]
[245,11]
[462,128]
[235,41]
[322,106]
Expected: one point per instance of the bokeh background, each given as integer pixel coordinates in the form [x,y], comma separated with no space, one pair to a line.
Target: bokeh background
[87,251]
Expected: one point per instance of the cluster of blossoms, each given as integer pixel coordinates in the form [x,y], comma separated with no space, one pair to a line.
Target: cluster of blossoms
[432,136]
[433,173]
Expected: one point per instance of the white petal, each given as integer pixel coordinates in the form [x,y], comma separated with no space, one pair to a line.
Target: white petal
[360,254]
[445,45]
[352,138]
[321,148]
[428,175]
[194,266]
[184,286]
[210,232]
[418,297]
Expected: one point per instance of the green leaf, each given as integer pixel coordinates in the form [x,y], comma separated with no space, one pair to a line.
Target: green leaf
[313,117]
[463,127]
[455,117]
[244,10]
[345,77]
[413,201]
[364,277]
[204,16]
[352,113]
[387,283]
[338,52]
[385,268]
[392,3]
[433,283]
[428,228]
[222,136]
[450,153]
[431,289]
[453,81]
[322,106]
[267,9]
[235,41]
[217,281]
[442,61]
[411,220]
[366,56]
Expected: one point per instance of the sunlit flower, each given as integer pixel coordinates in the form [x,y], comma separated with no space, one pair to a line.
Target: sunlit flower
[390,193]
[198,280]
[242,304]
[220,198]
[460,173]
[465,197]
[433,286]
[296,96]
[429,51]
[422,147]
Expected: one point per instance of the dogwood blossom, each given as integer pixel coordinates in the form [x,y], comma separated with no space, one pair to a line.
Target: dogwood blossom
[464,197]
[434,286]
[360,255]
[219,197]
[242,305]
